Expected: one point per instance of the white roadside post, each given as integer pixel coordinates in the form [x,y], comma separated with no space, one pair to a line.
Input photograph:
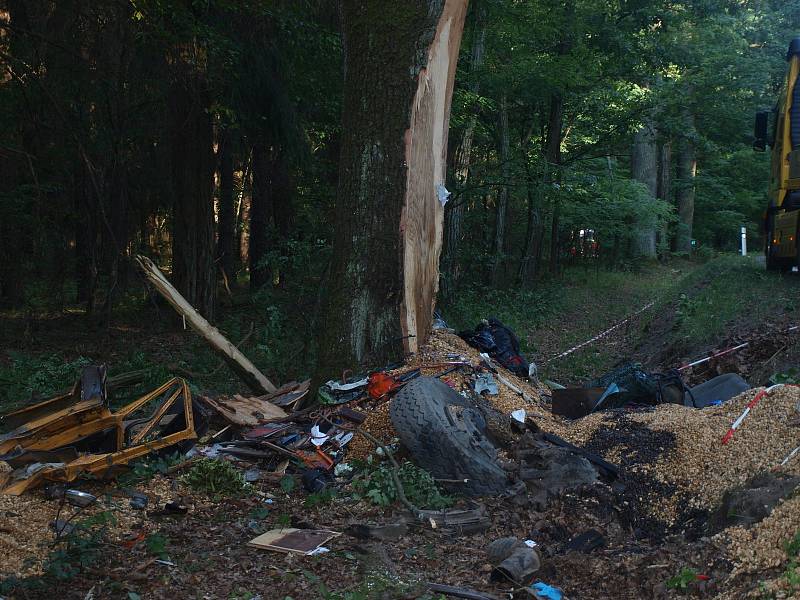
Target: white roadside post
[744,241]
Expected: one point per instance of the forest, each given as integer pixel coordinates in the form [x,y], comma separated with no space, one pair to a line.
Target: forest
[338,187]
[208,136]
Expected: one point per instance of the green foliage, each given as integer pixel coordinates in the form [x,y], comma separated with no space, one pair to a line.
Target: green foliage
[156,544]
[792,573]
[791,376]
[682,580]
[322,498]
[288,483]
[215,477]
[146,468]
[79,549]
[378,487]
[27,376]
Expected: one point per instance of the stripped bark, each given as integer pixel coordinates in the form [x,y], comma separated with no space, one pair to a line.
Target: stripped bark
[238,362]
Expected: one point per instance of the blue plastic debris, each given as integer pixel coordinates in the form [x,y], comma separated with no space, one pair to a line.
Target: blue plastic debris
[546,592]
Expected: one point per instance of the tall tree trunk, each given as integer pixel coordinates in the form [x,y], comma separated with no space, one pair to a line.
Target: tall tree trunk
[260,213]
[400,60]
[664,192]
[644,168]
[501,208]
[282,207]
[686,172]
[555,126]
[192,159]
[534,231]
[454,211]
[225,236]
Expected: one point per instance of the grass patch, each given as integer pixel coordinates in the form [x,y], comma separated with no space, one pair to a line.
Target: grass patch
[216,478]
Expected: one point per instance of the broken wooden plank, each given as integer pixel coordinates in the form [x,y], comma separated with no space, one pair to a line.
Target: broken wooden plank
[247,412]
[297,541]
[240,364]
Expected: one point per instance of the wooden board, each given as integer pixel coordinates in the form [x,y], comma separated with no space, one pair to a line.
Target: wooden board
[297,541]
[426,151]
[245,411]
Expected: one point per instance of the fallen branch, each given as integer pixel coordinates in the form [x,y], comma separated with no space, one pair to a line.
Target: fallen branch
[240,364]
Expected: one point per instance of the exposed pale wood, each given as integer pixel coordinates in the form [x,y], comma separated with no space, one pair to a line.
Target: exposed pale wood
[240,364]
[421,222]
[243,411]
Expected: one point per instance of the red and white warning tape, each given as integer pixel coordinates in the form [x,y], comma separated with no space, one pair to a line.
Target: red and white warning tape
[600,335]
[724,352]
[789,457]
[750,405]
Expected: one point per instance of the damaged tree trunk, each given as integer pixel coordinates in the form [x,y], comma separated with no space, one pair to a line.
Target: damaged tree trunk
[240,364]
[400,61]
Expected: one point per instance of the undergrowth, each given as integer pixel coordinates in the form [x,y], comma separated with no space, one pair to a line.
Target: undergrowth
[376,486]
[216,478]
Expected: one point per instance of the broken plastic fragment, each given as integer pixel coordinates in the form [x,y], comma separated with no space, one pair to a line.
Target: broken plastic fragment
[486,383]
[519,415]
[530,543]
[317,437]
[442,193]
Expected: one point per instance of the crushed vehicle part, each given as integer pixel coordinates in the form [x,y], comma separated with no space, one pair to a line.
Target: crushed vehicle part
[456,522]
[104,440]
[716,390]
[446,436]
[637,386]
[513,561]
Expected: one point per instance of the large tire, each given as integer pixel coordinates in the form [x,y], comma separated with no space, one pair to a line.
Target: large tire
[445,435]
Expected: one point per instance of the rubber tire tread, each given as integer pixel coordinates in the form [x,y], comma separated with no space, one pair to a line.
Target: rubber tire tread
[418,413]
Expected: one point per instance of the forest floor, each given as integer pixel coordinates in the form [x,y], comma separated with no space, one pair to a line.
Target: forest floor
[656,541]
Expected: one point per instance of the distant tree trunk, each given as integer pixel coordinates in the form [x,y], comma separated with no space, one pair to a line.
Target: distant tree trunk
[282,208]
[686,172]
[501,208]
[534,231]
[242,225]
[260,212]
[555,126]
[664,192]
[644,168]
[225,236]
[400,60]
[192,159]
[454,211]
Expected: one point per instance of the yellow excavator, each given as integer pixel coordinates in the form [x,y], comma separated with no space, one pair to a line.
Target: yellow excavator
[781,218]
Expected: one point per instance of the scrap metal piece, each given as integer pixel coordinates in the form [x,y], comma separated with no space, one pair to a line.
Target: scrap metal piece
[104,440]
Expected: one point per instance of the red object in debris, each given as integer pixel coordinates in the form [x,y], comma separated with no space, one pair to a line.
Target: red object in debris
[380,384]
[701,577]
